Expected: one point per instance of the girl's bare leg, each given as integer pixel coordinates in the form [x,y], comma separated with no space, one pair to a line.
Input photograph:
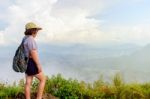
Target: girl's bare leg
[41,77]
[27,86]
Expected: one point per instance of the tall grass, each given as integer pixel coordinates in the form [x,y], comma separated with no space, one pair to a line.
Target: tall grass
[73,89]
[7,92]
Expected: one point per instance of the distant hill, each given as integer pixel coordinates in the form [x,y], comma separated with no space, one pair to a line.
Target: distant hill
[90,61]
[87,62]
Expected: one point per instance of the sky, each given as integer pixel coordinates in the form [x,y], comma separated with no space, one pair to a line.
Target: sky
[77,21]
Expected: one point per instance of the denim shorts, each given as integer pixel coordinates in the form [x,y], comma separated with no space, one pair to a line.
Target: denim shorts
[31,68]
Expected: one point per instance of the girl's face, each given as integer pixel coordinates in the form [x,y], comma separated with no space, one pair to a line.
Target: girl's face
[34,33]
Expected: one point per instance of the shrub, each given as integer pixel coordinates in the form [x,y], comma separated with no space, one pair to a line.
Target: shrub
[73,89]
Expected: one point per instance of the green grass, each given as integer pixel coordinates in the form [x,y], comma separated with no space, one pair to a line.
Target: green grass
[9,91]
[73,89]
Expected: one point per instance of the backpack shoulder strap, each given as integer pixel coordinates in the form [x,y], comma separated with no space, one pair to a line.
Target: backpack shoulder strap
[23,40]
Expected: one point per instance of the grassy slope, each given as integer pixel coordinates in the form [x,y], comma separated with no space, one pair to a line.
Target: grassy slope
[73,89]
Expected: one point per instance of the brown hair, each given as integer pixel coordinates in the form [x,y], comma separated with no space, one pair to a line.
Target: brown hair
[30,31]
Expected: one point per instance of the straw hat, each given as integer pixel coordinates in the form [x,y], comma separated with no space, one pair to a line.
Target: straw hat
[32,25]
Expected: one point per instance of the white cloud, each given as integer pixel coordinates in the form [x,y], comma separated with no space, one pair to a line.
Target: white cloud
[138,33]
[21,12]
[60,22]
[65,21]
[1,38]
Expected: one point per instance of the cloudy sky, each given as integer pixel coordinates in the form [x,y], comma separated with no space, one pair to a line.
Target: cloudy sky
[77,21]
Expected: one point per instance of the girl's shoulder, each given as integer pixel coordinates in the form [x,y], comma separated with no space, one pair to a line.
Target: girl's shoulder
[28,39]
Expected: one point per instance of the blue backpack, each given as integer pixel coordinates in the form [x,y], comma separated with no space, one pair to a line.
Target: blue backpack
[20,61]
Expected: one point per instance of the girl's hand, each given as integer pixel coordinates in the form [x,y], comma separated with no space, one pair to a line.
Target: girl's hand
[39,68]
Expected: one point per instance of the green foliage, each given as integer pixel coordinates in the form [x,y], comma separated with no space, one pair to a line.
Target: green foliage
[60,87]
[118,85]
[73,89]
[146,90]
[9,91]
[34,86]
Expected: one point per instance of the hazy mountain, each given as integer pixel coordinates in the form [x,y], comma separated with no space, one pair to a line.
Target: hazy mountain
[87,62]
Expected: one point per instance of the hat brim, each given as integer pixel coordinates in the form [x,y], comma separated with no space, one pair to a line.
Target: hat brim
[39,28]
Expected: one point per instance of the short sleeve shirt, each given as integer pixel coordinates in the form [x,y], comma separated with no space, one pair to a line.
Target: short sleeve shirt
[29,45]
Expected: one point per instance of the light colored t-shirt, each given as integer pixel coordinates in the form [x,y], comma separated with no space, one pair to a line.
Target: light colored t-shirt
[29,45]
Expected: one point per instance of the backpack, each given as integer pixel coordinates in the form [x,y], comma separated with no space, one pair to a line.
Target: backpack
[20,61]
